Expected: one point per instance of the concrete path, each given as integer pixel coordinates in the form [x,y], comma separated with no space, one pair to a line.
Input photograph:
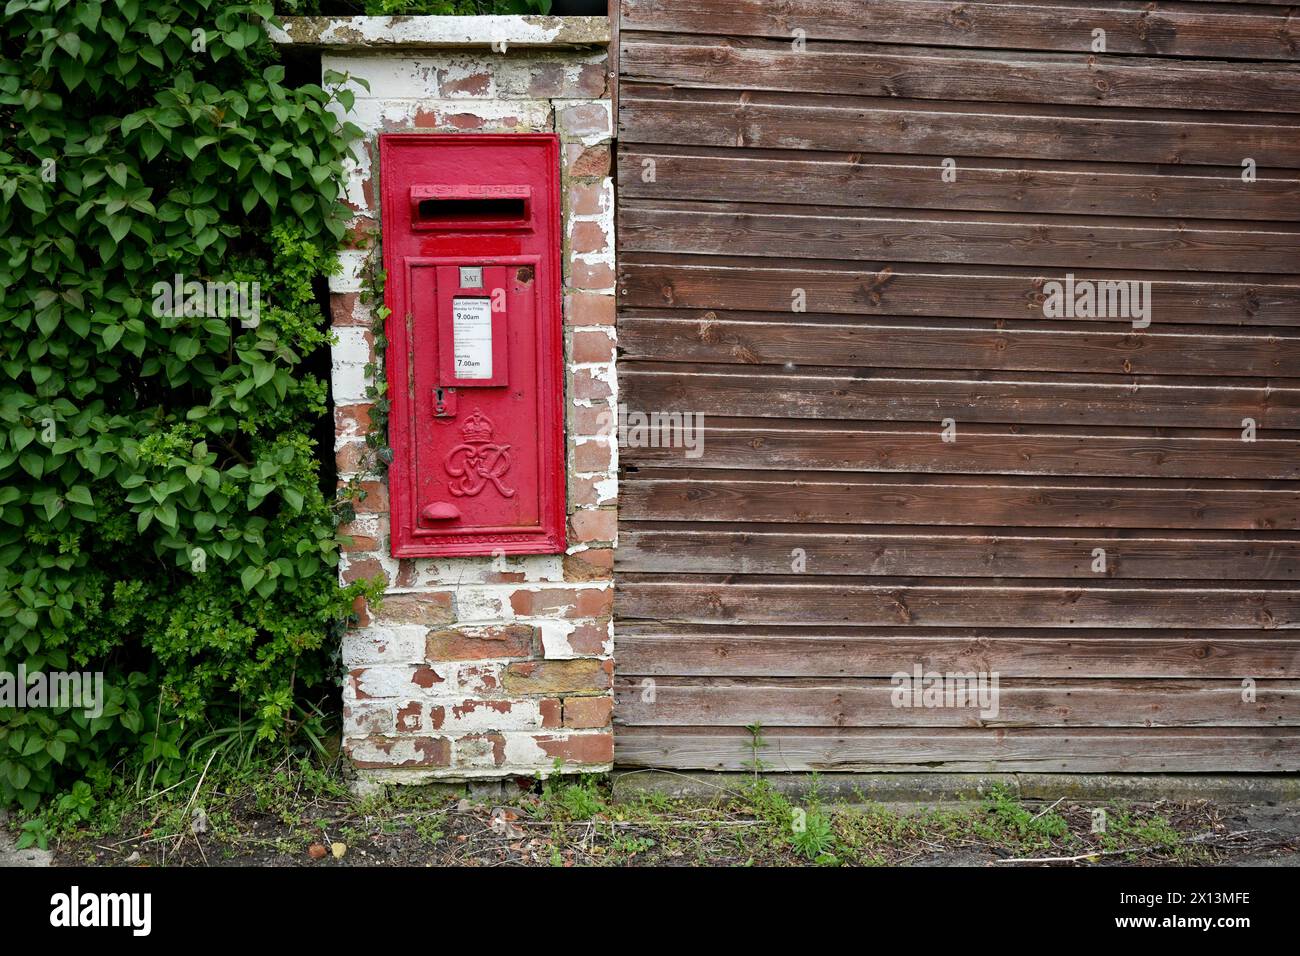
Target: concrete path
[10,856]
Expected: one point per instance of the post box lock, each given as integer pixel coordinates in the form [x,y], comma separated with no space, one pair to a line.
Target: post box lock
[444,402]
[471,247]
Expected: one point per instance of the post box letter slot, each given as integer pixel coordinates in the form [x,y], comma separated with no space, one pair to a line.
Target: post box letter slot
[480,210]
[469,208]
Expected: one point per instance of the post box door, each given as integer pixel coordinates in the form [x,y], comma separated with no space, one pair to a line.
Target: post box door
[474,363]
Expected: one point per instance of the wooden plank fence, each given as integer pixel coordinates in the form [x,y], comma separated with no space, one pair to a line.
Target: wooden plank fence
[839,225]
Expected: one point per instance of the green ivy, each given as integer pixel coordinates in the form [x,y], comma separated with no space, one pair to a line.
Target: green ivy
[161,512]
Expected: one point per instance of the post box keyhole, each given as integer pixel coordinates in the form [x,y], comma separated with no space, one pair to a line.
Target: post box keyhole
[444,402]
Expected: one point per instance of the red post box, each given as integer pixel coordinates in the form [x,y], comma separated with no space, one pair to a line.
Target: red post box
[475,346]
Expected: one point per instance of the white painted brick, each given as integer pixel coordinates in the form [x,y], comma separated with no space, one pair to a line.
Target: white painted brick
[365,717]
[481,716]
[484,604]
[376,115]
[474,754]
[396,644]
[351,266]
[476,679]
[522,751]
[555,639]
[349,383]
[389,76]
[385,680]
[395,750]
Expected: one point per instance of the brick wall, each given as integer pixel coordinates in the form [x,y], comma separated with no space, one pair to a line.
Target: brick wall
[488,667]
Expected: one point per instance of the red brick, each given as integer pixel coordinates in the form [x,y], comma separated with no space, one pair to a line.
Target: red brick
[589,421]
[587,236]
[583,119]
[587,199]
[464,121]
[430,609]
[583,385]
[470,706]
[353,458]
[588,308]
[593,80]
[364,569]
[476,84]
[526,602]
[360,543]
[579,748]
[546,81]
[594,564]
[406,573]
[375,499]
[589,637]
[468,644]
[558,677]
[595,602]
[586,161]
[600,524]
[587,713]
[552,712]
[590,275]
[592,347]
[342,307]
[592,456]
[426,677]
[361,611]
[351,419]
[480,681]
[583,492]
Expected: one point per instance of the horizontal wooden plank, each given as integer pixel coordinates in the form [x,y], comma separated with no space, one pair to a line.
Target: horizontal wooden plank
[1022,186]
[806,445]
[899,395]
[963,292]
[946,500]
[962,604]
[678,651]
[1170,30]
[990,701]
[925,73]
[943,553]
[966,750]
[743,229]
[784,341]
[803,121]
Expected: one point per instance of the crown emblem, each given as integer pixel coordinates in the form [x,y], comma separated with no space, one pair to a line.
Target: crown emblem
[477,428]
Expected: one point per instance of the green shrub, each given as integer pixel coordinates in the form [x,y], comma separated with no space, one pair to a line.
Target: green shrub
[161,511]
